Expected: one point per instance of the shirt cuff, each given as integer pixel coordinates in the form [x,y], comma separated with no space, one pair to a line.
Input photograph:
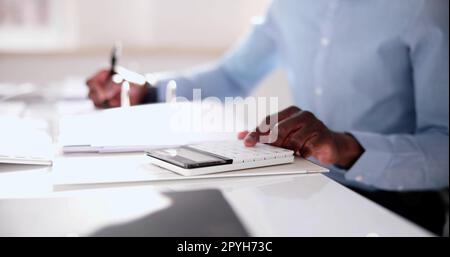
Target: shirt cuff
[370,166]
[151,96]
[159,81]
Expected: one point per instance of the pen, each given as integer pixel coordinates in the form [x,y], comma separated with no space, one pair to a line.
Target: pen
[114,56]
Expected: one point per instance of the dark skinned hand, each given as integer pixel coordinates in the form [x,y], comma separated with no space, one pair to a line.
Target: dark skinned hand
[303,133]
[104,93]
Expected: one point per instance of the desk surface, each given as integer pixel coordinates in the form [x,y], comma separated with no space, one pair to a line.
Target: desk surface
[294,205]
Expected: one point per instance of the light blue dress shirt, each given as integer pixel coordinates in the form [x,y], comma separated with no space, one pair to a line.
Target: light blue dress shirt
[377,69]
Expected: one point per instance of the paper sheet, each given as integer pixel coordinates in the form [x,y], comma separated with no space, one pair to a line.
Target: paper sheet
[153,125]
[24,138]
[118,168]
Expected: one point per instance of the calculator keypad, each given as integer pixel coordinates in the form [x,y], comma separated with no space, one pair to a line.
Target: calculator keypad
[239,153]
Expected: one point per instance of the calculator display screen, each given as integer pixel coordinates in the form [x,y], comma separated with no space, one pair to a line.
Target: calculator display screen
[187,157]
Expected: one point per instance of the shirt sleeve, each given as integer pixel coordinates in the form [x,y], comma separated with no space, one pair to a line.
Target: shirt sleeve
[416,161]
[236,73]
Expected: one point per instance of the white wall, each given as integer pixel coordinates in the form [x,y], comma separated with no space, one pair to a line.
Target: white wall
[169,24]
[202,28]
[212,24]
[165,23]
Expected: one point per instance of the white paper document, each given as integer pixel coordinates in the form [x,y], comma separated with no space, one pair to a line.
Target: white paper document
[138,128]
[24,141]
[136,167]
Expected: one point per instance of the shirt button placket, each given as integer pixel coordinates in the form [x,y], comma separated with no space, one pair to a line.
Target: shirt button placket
[318,91]
[326,30]
[324,41]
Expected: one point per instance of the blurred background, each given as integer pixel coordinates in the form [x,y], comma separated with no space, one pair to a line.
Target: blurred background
[45,41]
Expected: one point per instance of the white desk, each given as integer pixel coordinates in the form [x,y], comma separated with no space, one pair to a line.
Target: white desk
[294,205]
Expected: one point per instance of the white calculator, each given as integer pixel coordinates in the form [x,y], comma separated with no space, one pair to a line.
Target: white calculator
[219,156]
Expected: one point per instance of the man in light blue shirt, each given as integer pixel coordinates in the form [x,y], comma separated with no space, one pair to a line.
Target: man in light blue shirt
[374,69]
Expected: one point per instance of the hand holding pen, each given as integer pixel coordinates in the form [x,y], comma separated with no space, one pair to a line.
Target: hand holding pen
[105,93]
[113,60]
